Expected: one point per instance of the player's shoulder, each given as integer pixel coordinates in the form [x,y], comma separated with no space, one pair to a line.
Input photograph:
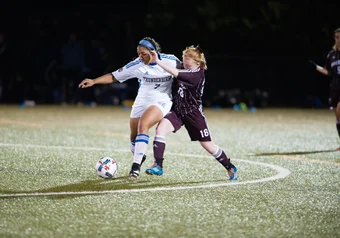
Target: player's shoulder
[133,63]
[331,52]
[169,57]
[199,69]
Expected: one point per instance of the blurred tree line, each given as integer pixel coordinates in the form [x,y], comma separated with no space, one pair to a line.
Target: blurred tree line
[243,38]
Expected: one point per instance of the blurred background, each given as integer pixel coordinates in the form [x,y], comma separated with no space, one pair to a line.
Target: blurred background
[257,51]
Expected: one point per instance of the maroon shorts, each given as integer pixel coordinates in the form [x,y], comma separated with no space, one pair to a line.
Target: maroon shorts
[334,93]
[194,122]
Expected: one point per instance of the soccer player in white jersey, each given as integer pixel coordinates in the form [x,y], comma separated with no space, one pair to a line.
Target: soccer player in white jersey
[154,98]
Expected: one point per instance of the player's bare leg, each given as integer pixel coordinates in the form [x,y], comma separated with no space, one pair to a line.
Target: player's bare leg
[133,128]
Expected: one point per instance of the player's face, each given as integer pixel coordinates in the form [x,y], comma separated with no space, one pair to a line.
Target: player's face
[144,54]
[189,62]
[337,39]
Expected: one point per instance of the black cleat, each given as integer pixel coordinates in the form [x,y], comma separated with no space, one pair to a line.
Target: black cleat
[134,172]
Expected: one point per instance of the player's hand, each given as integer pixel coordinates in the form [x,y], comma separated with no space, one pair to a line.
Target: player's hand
[315,64]
[86,83]
[154,56]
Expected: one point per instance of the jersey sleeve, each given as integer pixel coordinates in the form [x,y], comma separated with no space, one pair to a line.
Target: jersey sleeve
[179,65]
[171,59]
[190,77]
[128,71]
[328,63]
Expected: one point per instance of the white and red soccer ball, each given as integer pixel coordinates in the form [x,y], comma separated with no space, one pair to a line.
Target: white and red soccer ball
[106,167]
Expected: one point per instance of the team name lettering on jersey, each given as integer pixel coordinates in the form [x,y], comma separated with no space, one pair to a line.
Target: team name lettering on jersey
[334,63]
[157,80]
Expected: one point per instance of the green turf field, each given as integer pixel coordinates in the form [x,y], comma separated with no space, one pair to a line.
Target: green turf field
[289,176]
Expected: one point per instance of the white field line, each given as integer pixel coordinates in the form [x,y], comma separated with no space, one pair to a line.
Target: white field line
[281,173]
[58,147]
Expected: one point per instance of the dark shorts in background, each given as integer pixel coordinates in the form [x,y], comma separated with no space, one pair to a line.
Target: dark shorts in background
[194,122]
[334,94]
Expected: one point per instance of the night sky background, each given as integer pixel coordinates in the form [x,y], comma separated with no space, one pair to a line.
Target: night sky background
[249,45]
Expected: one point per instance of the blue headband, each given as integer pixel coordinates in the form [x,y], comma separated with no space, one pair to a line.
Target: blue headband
[147,44]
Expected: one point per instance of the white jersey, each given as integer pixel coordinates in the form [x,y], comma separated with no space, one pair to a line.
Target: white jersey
[154,82]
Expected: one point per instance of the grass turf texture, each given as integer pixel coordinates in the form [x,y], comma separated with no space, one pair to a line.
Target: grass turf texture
[48,154]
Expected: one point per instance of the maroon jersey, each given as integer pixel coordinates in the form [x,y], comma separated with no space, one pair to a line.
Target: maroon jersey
[333,64]
[190,90]
[333,67]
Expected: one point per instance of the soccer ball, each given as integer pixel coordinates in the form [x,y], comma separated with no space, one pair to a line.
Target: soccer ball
[106,167]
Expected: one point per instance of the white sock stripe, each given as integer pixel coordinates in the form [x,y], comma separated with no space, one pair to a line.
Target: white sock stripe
[160,139]
[218,152]
[142,137]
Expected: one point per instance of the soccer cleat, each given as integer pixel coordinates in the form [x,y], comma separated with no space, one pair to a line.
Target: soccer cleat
[154,170]
[134,172]
[232,173]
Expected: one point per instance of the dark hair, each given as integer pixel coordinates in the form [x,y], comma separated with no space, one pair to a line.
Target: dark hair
[337,30]
[150,44]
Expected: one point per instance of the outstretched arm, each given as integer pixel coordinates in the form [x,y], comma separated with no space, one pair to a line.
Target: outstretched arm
[322,70]
[166,67]
[105,79]
[319,68]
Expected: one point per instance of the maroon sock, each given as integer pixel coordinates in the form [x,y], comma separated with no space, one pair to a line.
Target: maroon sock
[223,159]
[158,152]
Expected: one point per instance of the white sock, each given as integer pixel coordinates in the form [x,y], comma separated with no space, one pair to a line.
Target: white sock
[141,144]
[132,147]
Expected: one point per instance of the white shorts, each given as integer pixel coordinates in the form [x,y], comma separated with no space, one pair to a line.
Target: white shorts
[138,110]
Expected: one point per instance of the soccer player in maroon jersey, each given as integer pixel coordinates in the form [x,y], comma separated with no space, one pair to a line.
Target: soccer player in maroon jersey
[187,110]
[332,68]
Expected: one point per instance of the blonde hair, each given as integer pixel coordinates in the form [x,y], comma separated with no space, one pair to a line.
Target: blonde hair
[334,46]
[196,53]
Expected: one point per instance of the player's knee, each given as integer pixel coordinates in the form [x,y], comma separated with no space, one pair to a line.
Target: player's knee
[164,128]
[143,128]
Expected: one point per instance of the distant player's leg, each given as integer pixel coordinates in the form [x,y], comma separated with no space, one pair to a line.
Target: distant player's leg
[150,117]
[334,102]
[337,113]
